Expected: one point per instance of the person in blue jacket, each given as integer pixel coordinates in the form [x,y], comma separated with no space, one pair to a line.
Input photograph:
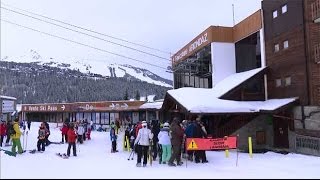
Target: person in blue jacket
[113,138]
[189,131]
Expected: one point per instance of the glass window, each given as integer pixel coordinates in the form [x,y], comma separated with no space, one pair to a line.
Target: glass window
[105,118]
[276,48]
[197,83]
[192,81]
[278,82]
[284,9]
[275,14]
[288,81]
[285,44]
[201,83]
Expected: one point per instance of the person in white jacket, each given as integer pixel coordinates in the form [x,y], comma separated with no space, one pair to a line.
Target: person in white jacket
[165,142]
[143,141]
[80,133]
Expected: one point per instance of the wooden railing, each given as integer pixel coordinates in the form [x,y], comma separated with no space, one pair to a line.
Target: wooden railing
[315,10]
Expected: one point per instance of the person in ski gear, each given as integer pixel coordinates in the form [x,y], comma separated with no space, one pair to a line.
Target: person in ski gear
[143,141]
[80,132]
[3,132]
[29,124]
[48,133]
[9,129]
[88,134]
[189,132]
[117,126]
[64,131]
[72,136]
[165,143]
[200,132]
[155,129]
[16,137]
[176,134]
[113,138]
[41,137]
[91,125]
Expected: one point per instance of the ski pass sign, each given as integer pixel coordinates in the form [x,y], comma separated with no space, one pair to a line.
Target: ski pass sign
[211,144]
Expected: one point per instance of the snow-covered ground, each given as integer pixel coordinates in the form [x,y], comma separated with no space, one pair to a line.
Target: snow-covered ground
[96,161]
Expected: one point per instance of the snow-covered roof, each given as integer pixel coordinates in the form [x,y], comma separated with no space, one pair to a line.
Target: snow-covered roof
[8,97]
[200,100]
[272,104]
[151,105]
[233,81]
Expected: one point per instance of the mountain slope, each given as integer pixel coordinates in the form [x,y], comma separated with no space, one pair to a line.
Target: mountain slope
[100,68]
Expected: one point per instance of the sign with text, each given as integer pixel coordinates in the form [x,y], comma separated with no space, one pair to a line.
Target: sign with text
[211,144]
[7,106]
[45,108]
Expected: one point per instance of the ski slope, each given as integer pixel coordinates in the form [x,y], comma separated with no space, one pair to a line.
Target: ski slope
[96,161]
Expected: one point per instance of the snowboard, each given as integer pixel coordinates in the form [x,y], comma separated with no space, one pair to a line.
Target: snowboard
[9,152]
[63,156]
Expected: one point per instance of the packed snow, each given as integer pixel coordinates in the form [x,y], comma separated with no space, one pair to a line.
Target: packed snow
[95,160]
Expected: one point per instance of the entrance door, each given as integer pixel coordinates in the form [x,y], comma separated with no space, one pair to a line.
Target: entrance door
[280,129]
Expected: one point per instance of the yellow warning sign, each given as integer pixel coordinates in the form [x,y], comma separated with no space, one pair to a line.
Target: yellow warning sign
[192,145]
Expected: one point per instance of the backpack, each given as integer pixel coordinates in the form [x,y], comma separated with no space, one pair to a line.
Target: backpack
[11,130]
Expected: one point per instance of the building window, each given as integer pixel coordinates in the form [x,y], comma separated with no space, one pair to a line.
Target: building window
[278,82]
[284,9]
[276,48]
[287,81]
[285,44]
[275,14]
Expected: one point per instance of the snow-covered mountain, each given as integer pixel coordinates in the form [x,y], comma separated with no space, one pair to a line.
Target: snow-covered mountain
[92,67]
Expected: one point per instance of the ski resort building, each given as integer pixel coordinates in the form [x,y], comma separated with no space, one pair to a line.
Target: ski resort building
[101,113]
[259,78]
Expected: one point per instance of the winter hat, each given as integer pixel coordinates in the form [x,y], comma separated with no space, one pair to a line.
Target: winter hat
[166,124]
[144,123]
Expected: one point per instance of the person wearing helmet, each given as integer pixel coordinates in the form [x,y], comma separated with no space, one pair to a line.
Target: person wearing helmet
[165,143]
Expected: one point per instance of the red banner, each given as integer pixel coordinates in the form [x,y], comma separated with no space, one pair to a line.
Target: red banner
[211,144]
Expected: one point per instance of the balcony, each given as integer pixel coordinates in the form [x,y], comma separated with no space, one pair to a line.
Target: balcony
[315,11]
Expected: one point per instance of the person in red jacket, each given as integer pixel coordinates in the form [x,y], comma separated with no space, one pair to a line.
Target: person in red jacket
[72,136]
[64,131]
[3,132]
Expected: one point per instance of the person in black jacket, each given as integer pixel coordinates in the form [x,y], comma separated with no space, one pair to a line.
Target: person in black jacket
[48,134]
[155,129]
[200,132]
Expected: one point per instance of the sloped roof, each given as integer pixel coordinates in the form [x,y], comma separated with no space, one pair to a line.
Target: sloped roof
[152,105]
[201,100]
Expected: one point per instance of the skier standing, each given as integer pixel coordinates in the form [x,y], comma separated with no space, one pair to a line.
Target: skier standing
[41,138]
[143,141]
[176,133]
[3,132]
[165,143]
[72,136]
[113,138]
[16,137]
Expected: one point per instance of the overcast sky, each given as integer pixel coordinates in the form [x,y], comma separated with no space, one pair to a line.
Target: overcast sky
[163,24]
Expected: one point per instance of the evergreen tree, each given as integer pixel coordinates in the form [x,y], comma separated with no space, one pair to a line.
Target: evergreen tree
[126,96]
[137,95]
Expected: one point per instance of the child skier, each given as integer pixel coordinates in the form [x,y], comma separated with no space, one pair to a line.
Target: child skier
[41,144]
[113,138]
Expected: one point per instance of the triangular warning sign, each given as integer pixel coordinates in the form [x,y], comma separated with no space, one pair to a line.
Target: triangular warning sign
[192,145]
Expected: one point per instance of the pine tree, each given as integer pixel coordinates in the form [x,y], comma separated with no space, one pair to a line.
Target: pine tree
[126,96]
[137,95]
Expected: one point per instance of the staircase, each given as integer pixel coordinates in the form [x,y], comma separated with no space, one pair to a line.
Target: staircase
[234,123]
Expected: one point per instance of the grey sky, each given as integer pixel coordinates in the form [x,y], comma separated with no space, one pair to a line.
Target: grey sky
[162,24]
